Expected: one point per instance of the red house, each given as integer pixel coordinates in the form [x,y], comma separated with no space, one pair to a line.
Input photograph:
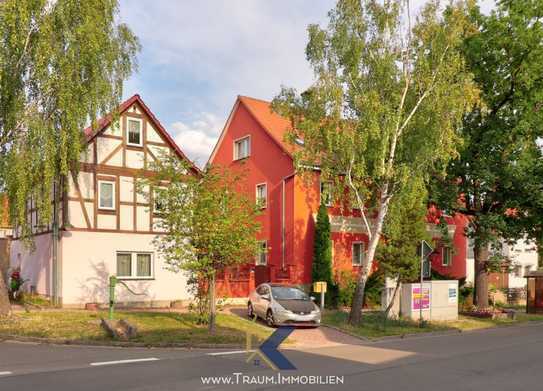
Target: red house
[252,141]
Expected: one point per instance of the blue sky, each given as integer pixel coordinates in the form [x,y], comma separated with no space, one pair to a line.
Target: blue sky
[198,55]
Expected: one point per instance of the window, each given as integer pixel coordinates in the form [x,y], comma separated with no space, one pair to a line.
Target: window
[446,256]
[132,265]
[262,195]
[134,132]
[527,269]
[242,148]
[517,271]
[358,253]
[326,193]
[106,195]
[262,256]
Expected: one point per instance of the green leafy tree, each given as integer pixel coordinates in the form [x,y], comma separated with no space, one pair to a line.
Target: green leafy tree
[209,224]
[405,227]
[62,63]
[322,250]
[385,105]
[489,179]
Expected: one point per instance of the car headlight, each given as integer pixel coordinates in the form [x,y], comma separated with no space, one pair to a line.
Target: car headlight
[316,310]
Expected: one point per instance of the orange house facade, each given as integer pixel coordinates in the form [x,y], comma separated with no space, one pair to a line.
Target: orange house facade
[252,142]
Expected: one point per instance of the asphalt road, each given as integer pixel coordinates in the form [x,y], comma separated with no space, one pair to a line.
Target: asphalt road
[499,359]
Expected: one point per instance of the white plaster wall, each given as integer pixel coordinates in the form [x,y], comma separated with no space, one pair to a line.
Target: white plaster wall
[89,258]
[158,152]
[107,221]
[114,129]
[152,134]
[105,146]
[134,159]
[524,254]
[76,216]
[143,219]
[87,155]
[126,189]
[35,265]
[127,217]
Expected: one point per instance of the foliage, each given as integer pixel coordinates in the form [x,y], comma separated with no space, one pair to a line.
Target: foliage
[486,181]
[347,285]
[404,229]
[322,255]
[208,224]
[199,291]
[62,63]
[384,107]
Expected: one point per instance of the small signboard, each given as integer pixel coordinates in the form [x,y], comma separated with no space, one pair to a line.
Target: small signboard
[420,300]
[453,294]
[319,287]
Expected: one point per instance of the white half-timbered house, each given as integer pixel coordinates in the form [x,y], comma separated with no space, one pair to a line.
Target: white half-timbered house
[107,228]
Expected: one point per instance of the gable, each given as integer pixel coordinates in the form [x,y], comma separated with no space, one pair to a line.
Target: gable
[110,137]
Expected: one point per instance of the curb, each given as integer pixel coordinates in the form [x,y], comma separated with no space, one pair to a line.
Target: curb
[114,344]
[340,330]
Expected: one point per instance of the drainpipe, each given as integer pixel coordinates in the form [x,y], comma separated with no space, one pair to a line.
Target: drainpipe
[283,229]
[57,272]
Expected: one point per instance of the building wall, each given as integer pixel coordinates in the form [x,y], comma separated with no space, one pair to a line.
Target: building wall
[36,266]
[89,258]
[267,163]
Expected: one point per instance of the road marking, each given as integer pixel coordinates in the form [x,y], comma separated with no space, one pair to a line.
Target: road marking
[6,373]
[97,364]
[226,353]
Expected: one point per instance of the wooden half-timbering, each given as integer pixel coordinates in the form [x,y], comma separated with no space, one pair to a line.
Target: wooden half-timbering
[114,161]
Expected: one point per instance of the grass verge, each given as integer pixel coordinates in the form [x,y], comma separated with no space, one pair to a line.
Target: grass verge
[154,328]
[374,327]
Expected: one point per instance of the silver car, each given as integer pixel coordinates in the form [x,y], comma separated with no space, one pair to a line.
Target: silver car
[281,304]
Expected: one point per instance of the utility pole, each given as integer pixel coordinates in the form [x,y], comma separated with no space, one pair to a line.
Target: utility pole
[57,274]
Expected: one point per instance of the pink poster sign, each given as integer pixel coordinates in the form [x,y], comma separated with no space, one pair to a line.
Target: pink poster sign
[420,299]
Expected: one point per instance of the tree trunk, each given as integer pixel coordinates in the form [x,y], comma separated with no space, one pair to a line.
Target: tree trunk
[355,317]
[481,255]
[5,307]
[212,304]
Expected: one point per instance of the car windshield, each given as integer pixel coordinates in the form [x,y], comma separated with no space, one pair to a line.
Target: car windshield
[288,293]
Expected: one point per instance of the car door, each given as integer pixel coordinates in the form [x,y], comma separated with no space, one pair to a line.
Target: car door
[261,306]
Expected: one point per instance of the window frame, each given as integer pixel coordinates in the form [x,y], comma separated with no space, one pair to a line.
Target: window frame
[239,140]
[113,194]
[262,244]
[128,119]
[321,188]
[134,265]
[362,252]
[443,251]
[264,205]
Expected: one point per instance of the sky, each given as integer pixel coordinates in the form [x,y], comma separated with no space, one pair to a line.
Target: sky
[199,55]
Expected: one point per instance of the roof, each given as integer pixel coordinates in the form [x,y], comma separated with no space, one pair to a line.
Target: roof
[272,123]
[105,121]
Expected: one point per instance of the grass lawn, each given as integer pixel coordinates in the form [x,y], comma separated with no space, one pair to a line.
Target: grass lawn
[373,326]
[154,328]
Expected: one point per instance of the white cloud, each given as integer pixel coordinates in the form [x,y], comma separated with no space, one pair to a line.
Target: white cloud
[198,137]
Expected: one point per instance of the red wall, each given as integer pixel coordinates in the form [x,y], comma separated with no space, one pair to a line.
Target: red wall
[266,163]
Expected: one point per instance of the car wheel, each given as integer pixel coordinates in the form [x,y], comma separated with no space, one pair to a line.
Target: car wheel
[250,311]
[270,321]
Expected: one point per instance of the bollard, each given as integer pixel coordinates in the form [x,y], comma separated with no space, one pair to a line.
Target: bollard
[112,283]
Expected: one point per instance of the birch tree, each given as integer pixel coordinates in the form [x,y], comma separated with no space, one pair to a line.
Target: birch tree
[62,64]
[390,90]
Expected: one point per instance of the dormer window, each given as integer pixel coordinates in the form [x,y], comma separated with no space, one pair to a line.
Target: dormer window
[242,148]
[135,137]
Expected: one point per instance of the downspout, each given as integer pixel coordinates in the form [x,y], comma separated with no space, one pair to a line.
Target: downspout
[283,216]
